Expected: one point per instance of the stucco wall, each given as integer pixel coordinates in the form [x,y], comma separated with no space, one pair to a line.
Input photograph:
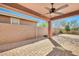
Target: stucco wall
[26,22]
[4,19]
[13,33]
[42,31]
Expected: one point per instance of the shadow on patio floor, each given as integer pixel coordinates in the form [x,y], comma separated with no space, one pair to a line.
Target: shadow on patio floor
[59,50]
[10,46]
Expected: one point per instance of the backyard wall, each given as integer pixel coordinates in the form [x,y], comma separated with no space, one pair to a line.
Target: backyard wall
[42,31]
[10,33]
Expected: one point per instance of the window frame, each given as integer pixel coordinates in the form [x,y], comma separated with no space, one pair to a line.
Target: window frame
[14,20]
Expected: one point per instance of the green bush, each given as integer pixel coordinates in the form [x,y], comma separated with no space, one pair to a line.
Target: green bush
[60,31]
[67,28]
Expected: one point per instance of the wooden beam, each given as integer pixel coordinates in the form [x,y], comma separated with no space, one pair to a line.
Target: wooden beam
[66,15]
[25,9]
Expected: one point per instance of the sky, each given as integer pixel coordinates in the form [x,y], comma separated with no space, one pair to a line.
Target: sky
[57,23]
[54,23]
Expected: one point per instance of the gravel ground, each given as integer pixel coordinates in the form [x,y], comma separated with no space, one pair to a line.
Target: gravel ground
[69,42]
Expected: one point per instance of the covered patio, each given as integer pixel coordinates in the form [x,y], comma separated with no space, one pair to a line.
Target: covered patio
[38,10]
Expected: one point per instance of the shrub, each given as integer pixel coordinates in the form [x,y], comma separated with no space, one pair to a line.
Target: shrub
[67,28]
[60,31]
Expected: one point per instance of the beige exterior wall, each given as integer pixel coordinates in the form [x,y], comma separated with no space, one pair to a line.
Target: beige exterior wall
[42,31]
[10,33]
[25,22]
[4,19]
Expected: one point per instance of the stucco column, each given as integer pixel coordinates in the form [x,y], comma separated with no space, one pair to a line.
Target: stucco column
[36,29]
[49,30]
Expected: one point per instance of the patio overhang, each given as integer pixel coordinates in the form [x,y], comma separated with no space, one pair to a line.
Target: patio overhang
[20,8]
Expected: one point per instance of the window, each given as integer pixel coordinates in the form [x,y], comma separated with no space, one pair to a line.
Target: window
[15,21]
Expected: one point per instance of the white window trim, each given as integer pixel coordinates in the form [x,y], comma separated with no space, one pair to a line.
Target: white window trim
[11,21]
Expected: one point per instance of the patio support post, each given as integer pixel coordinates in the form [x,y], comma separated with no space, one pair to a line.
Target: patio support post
[36,29]
[49,30]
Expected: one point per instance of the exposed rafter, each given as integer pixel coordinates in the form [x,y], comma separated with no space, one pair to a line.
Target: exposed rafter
[66,15]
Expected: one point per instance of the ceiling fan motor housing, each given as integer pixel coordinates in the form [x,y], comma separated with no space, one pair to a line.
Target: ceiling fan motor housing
[52,10]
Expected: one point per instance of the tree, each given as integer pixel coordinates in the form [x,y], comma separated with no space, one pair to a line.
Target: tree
[68,25]
[45,24]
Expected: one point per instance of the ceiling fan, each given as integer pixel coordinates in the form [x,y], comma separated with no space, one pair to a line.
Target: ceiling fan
[54,10]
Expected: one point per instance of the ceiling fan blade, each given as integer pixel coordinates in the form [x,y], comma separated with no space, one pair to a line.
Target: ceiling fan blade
[58,13]
[47,13]
[47,8]
[62,7]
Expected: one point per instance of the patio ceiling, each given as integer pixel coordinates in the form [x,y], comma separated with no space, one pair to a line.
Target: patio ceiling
[38,9]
